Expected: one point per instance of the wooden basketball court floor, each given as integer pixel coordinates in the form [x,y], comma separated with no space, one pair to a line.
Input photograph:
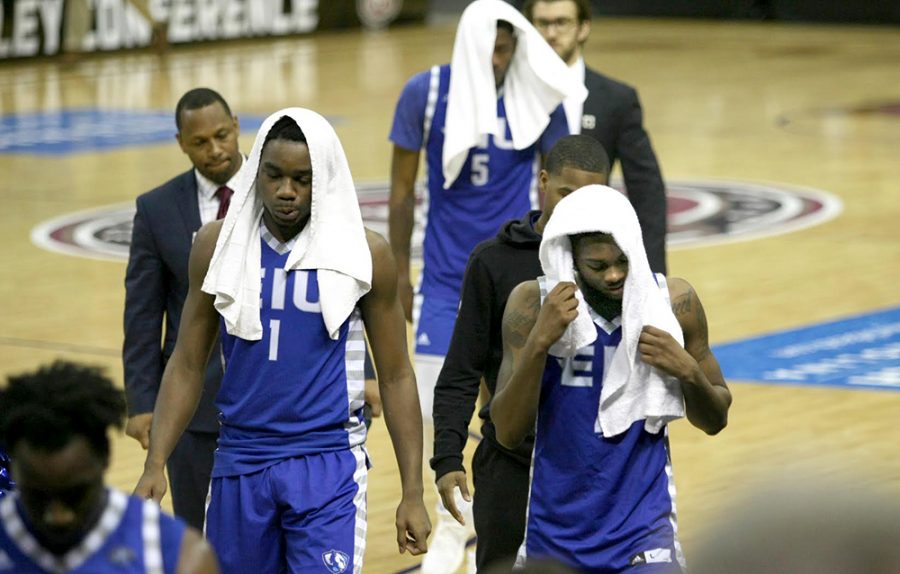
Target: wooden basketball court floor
[715,96]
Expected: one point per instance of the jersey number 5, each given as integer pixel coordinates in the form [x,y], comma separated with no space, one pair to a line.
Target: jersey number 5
[480,168]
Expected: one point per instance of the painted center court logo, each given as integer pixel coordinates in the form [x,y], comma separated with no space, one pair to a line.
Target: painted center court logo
[700,213]
[336,561]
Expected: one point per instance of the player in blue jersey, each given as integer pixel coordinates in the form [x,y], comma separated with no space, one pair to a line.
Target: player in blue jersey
[61,518]
[602,502]
[495,268]
[495,183]
[289,479]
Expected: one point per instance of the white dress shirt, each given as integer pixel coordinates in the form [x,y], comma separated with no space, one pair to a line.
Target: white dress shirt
[574,108]
[206,195]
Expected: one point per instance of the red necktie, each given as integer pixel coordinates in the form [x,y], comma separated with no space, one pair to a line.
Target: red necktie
[224,196]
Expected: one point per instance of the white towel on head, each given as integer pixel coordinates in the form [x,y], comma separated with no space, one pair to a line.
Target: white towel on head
[333,241]
[632,389]
[537,81]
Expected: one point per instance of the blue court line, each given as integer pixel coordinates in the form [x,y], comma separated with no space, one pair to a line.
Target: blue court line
[79,130]
[856,352]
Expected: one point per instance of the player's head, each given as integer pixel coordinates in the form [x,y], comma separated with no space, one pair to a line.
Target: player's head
[573,162]
[565,24]
[504,49]
[601,265]
[53,422]
[208,134]
[284,179]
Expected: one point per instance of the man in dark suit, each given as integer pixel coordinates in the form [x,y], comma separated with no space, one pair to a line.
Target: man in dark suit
[156,285]
[611,114]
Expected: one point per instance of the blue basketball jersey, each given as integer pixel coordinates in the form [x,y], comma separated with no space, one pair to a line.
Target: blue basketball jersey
[296,391]
[600,504]
[497,182]
[132,536]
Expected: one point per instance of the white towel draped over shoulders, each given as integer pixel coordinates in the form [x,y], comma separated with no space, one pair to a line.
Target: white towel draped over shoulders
[332,242]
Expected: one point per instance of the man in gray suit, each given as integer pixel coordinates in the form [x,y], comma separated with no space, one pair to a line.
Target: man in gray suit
[156,285]
[611,114]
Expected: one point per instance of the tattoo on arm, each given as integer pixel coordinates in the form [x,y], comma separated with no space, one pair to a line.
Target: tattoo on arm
[701,320]
[690,308]
[682,305]
[534,306]
[517,327]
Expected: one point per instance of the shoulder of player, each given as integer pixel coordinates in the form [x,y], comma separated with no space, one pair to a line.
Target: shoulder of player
[678,288]
[521,313]
[419,82]
[383,264]
[685,302]
[205,242]
[524,296]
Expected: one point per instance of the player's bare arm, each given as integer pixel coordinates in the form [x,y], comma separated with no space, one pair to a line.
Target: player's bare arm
[182,382]
[706,394]
[386,329]
[529,330]
[197,556]
[404,168]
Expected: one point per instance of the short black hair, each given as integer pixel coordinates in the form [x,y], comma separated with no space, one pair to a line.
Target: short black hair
[196,99]
[584,9]
[579,152]
[285,129]
[506,25]
[49,407]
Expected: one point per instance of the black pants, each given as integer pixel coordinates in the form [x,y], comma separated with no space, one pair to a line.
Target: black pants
[190,467]
[501,496]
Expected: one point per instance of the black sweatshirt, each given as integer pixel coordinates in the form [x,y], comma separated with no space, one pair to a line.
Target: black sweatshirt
[495,267]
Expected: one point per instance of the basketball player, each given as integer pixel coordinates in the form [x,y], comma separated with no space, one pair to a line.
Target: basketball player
[602,500]
[62,518]
[495,184]
[495,267]
[289,478]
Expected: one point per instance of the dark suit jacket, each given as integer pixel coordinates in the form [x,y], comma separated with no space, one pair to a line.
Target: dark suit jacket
[156,285]
[613,116]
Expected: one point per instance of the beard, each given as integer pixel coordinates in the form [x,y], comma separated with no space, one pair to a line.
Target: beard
[608,307]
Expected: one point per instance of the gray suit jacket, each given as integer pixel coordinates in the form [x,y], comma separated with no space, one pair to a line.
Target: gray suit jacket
[156,285]
[613,116]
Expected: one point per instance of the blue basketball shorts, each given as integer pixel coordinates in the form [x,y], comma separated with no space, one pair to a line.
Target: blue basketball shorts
[433,320]
[304,514]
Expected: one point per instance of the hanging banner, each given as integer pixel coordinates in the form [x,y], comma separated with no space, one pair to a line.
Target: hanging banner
[30,28]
